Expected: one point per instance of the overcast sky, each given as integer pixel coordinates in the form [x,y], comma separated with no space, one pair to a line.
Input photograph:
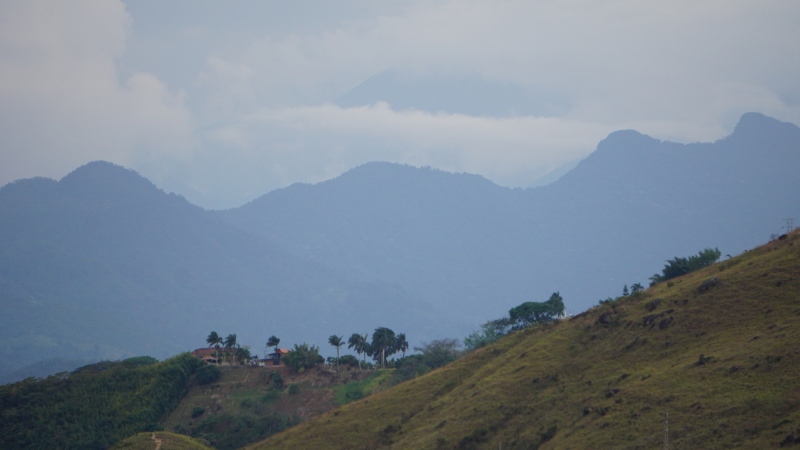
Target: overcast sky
[224,101]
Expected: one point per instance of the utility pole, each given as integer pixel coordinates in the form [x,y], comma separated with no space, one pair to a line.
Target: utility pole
[789,225]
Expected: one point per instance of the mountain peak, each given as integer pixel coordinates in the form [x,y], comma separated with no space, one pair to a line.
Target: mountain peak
[105,180]
[759,124]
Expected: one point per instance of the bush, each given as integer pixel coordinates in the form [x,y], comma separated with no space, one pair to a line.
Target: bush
[197,412]
[303,357]
[208,374]
[276,379]
[294,389]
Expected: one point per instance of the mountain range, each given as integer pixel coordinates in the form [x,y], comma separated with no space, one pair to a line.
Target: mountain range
[102,264]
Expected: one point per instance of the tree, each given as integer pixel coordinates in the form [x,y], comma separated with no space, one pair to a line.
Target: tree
[680,266]
[636,288]
[230,345]
[337,342]
[530,313]
[401,343]
[439,352]
[208,374]
[273,342]
[485,336]
[359,343]
[303,357]
[383,344]
[625,291]
[214,340]
[242,354]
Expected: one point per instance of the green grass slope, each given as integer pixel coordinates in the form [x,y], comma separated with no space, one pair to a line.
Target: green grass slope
[160,440]
[718,351]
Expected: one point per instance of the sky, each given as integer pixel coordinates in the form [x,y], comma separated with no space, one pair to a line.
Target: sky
[222,102]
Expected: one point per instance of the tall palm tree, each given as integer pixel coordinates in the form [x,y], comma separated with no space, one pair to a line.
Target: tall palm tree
[358,343]
[230,343]
[214,340]
[383,343]
[401,343]
[337,342]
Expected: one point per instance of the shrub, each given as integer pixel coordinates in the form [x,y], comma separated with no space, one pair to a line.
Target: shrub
[276,379]
[197,412]
[208,374]
[294,389]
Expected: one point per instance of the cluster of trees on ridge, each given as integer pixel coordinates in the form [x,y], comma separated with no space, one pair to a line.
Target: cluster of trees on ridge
[519,317]
[385,342]
[681,266]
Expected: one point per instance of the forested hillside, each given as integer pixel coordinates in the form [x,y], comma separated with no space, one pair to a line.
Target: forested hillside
[95,406]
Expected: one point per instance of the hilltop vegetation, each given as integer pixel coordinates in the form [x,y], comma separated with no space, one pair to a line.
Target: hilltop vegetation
[716,350]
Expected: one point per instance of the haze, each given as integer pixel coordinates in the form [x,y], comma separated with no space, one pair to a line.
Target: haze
[223,102]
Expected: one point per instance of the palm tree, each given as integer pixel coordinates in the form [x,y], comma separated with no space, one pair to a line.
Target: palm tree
[337,342]
[214,340]
[383,341]
[359,344]
[401,344]
[273,341]
[230,343]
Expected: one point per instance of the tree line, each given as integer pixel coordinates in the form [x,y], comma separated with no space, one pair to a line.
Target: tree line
[519,317]
[384,343]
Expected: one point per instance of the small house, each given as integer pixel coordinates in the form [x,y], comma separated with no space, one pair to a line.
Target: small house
[276,357]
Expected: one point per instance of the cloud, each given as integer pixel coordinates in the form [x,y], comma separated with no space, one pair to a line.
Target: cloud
[247,107]
[61,101]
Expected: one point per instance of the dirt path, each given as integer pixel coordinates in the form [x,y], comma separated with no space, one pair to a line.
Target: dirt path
[157,441]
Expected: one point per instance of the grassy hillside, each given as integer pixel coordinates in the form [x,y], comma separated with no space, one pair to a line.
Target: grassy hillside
[718,351]
[160,440]
[247,404]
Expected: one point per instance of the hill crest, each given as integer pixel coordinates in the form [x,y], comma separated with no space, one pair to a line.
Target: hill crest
[716,349]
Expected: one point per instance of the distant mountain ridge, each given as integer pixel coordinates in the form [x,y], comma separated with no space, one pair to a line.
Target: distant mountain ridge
[459,240]
[103,264]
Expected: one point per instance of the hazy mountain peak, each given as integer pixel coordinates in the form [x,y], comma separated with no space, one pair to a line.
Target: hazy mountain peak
[755,125]
[625,140]
[102,179]
[104,175]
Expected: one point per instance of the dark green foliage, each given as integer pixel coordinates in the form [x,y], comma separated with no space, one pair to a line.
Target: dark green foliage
[273,341]
[294,389]
[681,266]
[303,357]
[208,374]
[485,336]
[226,431]
[349,360]
[139,361]
[409,368]
[439,352]
[530,313]
[94,406]
[276,379]
[384,344]
[350,392]
[197,412]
